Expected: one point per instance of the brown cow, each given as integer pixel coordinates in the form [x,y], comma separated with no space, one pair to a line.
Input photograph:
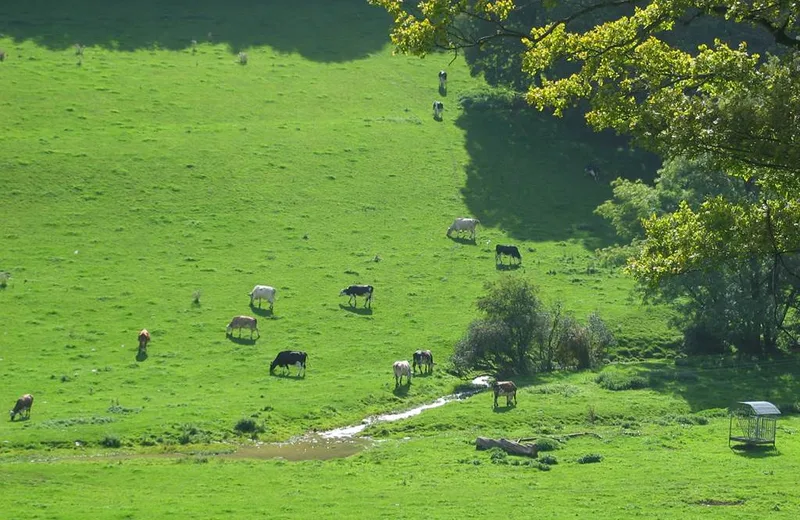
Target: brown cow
[506,388]
[144,339]
[243,322]
[23,406]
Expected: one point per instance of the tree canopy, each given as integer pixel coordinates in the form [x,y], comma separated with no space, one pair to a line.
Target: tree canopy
[619,59]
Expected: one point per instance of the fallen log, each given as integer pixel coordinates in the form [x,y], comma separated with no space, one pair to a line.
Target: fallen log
[564,436]
[510,447]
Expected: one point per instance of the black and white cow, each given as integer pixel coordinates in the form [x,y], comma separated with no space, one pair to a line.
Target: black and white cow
[506,388]
[501,250]
[424,360]
[354,291]
[592,171]
[23,406]
[442,80]
[287,358]
[438,107]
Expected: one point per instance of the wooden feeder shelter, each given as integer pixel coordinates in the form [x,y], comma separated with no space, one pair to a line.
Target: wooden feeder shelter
[755,421]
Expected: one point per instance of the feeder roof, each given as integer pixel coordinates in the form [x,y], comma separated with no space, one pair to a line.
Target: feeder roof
[761,407]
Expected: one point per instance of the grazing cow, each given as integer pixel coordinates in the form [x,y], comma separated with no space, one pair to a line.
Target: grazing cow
[144,339]
[438,107]
[354,291]
[442,80]
[289,357]
[424,360]
[23,406]
[506,388]
[263,292]
[592,171]
[243,322]
[512,251]
[464,224]
[401,368]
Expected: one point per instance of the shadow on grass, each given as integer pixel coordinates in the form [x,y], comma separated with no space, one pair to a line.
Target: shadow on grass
[754,452]
[264,313]
[402,390]
[288,375]
[526,172]
[465,241]
[507,267]
[362,311]
[141,355]
[319,30]
[714,382]
[503,409]
[241,341]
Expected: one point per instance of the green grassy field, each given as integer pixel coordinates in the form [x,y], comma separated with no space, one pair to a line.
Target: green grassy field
[150,184]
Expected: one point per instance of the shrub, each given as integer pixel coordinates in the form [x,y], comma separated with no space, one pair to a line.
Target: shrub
[547,444]
[196,296]
[248,425]
[4,276]
[550,460]
[590,458]
[111,441]
[242,58]
[543,467]
[617,381]
[498,456]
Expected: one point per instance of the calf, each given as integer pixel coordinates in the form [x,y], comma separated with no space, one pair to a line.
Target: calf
[23,406]
[506,388]
[289,357]
[438,107]
[354,291]
[512,251]
[401,368]
[424,360]
[243,322]
[263,292]
[144,339]
[464,224]
[442,80]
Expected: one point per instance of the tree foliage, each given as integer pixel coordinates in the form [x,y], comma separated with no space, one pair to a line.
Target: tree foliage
[518,335]
[737,109]
[746,300]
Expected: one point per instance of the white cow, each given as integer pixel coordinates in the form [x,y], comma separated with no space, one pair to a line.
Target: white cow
[243,322]
[438,107]
[464,224]
[401,368]
[264,292]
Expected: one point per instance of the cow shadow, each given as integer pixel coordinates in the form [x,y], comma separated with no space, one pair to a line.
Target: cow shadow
[442,91]
[402,390]
[507,267]
[21,418]
[503,409]
[241,341]
[464,241]
[141,356]
[288,375]
[362,311]
[263,312]
[423,374]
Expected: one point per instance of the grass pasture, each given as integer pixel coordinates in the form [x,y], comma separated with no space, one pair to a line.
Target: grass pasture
[150,182]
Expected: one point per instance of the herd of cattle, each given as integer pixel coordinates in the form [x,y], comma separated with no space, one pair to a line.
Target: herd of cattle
[422,359]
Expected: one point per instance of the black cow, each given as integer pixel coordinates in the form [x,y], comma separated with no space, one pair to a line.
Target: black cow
[424,360]
[289,357]
[512,251]
[506,388]
[592,171]
[442,81]
[354,291]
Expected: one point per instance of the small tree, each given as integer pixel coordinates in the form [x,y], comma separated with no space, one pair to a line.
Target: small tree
[518,335]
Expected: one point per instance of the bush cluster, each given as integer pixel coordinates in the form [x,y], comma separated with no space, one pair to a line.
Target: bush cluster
[617,381]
